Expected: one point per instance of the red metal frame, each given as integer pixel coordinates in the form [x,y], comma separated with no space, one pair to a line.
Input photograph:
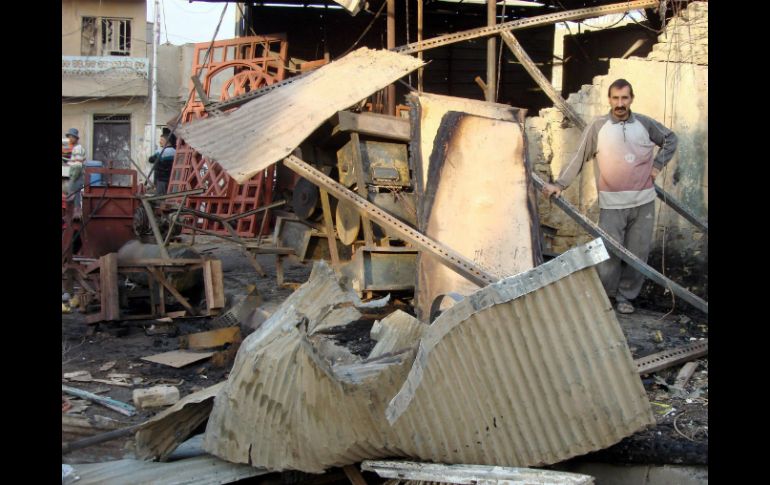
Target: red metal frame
[256,62]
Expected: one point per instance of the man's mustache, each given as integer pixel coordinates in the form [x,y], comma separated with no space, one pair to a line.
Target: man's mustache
[620,109]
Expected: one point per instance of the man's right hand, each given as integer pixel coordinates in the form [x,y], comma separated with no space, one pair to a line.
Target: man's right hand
[551,189]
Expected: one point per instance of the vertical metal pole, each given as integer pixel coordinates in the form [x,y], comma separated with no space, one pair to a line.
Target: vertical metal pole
[491,57]
[154,94]
[419,39]
[391,97]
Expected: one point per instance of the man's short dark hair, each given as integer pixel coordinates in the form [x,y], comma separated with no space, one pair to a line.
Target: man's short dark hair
[620,84]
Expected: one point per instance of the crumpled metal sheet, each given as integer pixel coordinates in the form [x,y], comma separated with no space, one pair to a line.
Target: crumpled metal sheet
[528,371]
[295,402]
[201,470]
[531,370]
[268,128]
[160,436]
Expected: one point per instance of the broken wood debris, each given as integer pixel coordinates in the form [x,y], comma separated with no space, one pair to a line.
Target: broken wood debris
[210,339]
[178,358]
[117,406]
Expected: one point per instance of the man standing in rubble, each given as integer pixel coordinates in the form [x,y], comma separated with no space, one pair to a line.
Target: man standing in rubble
[623,144]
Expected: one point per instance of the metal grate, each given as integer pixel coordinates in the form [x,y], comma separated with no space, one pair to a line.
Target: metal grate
[112,118]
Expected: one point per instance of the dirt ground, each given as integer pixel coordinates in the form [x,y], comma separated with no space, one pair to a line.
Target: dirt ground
[681,435]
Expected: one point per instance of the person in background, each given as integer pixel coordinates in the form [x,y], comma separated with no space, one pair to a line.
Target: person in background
[77,156]
[163,160]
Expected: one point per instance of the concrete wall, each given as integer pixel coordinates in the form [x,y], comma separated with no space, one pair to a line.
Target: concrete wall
[671,85]
[72,12]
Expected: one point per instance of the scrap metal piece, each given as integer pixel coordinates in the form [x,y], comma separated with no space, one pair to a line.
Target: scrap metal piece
[487,213]
[264,130]
[669,358]
[447,256]
[201,470]
[472,474]
[529,371]
[548,337]
[528,22]
[382,269]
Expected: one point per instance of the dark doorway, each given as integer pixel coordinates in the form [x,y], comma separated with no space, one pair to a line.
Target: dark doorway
[112,139]
[112,143]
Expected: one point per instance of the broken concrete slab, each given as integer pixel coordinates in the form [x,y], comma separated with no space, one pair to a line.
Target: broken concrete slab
[529,371]
[266,129]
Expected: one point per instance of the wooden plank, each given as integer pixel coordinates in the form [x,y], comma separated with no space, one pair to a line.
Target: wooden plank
[108,286]
[383,126]
[354,475]
[155,230]
[620,251]
[329,225]
[156,273]
[159,262]
[177,358]
[213,283]
[209,339]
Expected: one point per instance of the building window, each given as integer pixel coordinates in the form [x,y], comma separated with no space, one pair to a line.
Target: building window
[116,37]
[105,37]
[88,37]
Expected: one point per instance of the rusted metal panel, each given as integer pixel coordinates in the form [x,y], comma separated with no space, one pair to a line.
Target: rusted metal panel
[266,129]
[477,197]
[383,269]
[108,212]
[528,371]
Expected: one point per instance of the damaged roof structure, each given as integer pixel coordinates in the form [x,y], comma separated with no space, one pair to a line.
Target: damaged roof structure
[480,354]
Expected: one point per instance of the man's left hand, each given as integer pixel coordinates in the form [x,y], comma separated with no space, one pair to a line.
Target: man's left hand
[654,173]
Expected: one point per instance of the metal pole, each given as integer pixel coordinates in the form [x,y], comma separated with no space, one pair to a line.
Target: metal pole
[154,94]
[390,107]
[419,39]
[491,57]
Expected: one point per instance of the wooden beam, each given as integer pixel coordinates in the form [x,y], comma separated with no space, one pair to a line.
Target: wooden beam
[213,286]
[155,229]
[108,287]
[373,124]
[158,275]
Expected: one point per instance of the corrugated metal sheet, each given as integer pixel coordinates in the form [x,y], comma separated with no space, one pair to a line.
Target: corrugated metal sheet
[202,470]
[528,371]
[267,129]
[531,370]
